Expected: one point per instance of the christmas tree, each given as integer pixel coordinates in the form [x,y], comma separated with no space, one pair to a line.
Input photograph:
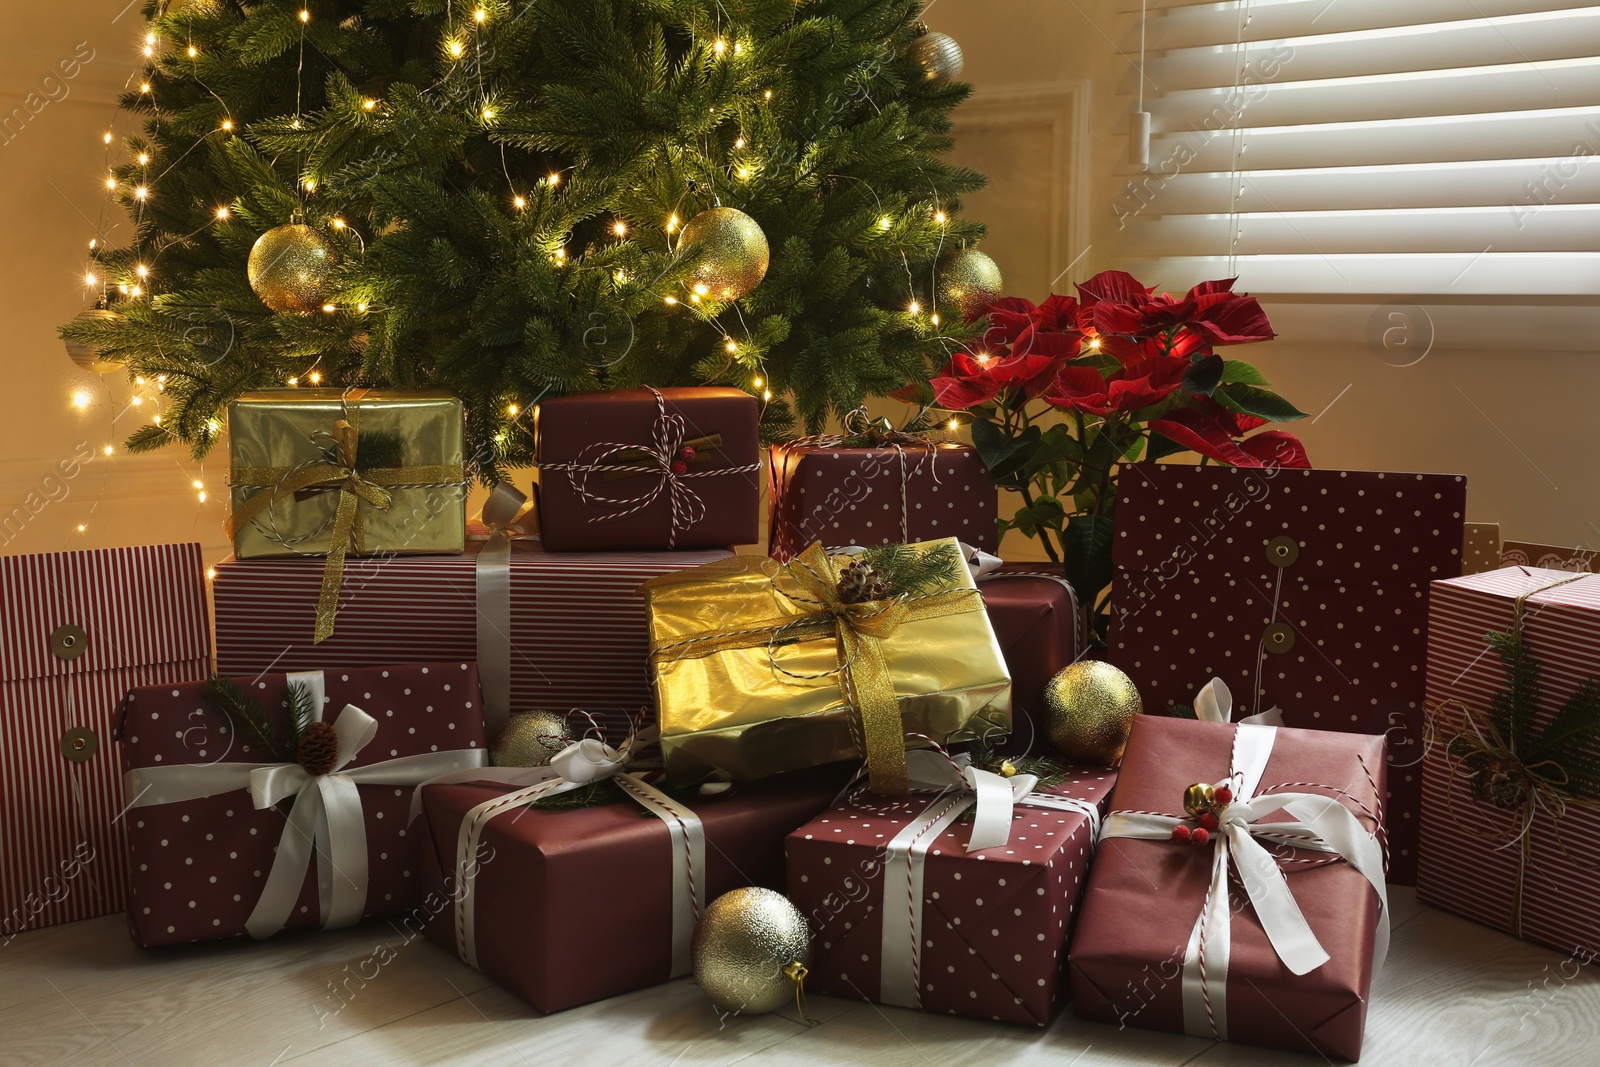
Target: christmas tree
[517,199]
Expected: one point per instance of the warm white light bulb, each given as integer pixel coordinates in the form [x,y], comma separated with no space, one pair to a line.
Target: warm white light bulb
[89,279]
[480,15]
[934,318]
[672,224]
[701,288]
[719,46]
[82,527]
[140,192]
[142,271]
[519,203]
[732,345]
[144,87]
[108,449]
[952,424]
[292,381]
[338,224]
[756,383]
[144,159]
[512,409]
[227,124]
[670,300]
[554,179]
[739,143]
[369,104]
[330,308]
[108,138]
[885,222]
[193,51]
[744,172]
[619,228]
[488,114]
[81,399]
[915,307]
[938,216]
[136,291]
[305,16]
[767,95]
[455,47]
[316,376]
[111,183]
[766,394]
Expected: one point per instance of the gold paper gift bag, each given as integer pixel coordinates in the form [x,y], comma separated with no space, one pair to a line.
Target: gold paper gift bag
[760,668]
[345,472]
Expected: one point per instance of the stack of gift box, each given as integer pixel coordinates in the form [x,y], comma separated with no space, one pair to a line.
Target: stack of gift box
[859,718]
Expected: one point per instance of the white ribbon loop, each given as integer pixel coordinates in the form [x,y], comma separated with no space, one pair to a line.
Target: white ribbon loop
[1317,822]
[1214,703]
[579,764]
[326,820]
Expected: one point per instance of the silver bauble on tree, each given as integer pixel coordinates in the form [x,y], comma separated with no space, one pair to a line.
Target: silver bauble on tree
[971,281]
[83,353]
[732,250]
[530,739]
[289,267]
[750,951]
[938,55]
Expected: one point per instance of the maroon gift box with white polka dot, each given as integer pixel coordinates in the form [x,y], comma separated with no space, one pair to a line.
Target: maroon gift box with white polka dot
[995,922]
[197,867]
[877,496]
[1304,589]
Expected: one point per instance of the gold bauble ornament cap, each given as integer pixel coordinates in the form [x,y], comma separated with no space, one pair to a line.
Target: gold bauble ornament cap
[732,250]
[530,739]
[289,268]
[84,354]
[750,951]
[971,281]
[1089,710]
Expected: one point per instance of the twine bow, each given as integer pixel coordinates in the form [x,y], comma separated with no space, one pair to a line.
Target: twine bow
[1481,753]
[809,583]
[661,460]
[338,472]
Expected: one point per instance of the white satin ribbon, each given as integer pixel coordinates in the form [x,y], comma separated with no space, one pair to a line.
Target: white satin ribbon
[1214,703]
[579,764]
[509,515]
[1320,823]
[960,786]
[326,817]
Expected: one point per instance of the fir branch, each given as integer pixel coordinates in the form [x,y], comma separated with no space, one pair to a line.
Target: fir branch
[244,712]
[912,571]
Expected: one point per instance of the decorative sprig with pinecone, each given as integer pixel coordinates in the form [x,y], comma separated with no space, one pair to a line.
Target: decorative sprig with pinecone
[885,571]
[313,745]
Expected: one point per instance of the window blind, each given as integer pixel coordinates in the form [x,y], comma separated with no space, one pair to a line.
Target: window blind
[1360,148]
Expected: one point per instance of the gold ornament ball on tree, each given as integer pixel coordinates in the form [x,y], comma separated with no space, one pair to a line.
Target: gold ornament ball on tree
[84,354]
[971,281]
[750,951]
[530,739]
[1089,709]
[938,55]
[289,267]
[732,250]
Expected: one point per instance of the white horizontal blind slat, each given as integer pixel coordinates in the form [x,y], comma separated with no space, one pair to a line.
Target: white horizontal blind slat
[1358,147]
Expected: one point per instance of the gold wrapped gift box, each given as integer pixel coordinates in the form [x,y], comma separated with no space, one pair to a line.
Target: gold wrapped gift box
[339,472]
[753,661]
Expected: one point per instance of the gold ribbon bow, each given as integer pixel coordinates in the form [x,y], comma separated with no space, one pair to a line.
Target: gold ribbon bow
[355,488]
[810,582]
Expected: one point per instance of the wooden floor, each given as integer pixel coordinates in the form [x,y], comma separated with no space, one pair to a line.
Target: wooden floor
[1454,993]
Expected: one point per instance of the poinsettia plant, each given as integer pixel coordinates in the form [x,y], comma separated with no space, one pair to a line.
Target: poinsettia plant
[1063,394]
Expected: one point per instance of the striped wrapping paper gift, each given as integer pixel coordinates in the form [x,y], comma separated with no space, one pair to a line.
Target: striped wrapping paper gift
[1461,868]
[142,617]
[578,637]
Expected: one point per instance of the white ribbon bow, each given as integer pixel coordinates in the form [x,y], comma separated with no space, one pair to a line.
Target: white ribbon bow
[1321,823]
[1214,703]
[326,818]
[508,515]
[960,786]
[579,764]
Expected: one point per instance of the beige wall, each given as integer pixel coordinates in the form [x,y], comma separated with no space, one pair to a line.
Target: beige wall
[1045,124]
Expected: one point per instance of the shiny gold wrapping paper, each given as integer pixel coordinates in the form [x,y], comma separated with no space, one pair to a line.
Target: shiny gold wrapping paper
[729,711]
[289,428]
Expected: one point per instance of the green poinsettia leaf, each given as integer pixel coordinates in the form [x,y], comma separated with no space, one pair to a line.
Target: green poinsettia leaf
[1238,372]
[1003,454]
[1262,403]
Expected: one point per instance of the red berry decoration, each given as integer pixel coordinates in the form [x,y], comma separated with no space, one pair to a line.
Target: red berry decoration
[1180,834]
[680,467]
[1208,822]
[687,453]
[1222,795]
[1202,836]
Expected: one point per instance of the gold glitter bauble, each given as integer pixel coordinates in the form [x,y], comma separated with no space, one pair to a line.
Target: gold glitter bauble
[971,281]
[289,268]
[938,55]
[530,739]
[84,354]
[747,949]
[733,253]
[1089,710]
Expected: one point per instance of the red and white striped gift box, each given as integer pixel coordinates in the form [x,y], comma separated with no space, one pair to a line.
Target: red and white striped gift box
[578,636]
[1463,867]
[77,631]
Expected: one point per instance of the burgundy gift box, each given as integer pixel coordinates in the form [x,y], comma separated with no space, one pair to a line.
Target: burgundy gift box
[1145,896]
[77,631]
[607,480]
[874,496]
[1035,616]
[994,922]
[573,906]
[1541,887]
[577,637]
[198,867]
[1306,589]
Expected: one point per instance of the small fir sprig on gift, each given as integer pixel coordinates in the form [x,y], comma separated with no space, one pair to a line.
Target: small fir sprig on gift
[247,716]
[901,570]
[1560,756]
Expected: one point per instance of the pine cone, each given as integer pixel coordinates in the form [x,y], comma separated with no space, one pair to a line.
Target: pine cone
[318,749]
[861,582]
